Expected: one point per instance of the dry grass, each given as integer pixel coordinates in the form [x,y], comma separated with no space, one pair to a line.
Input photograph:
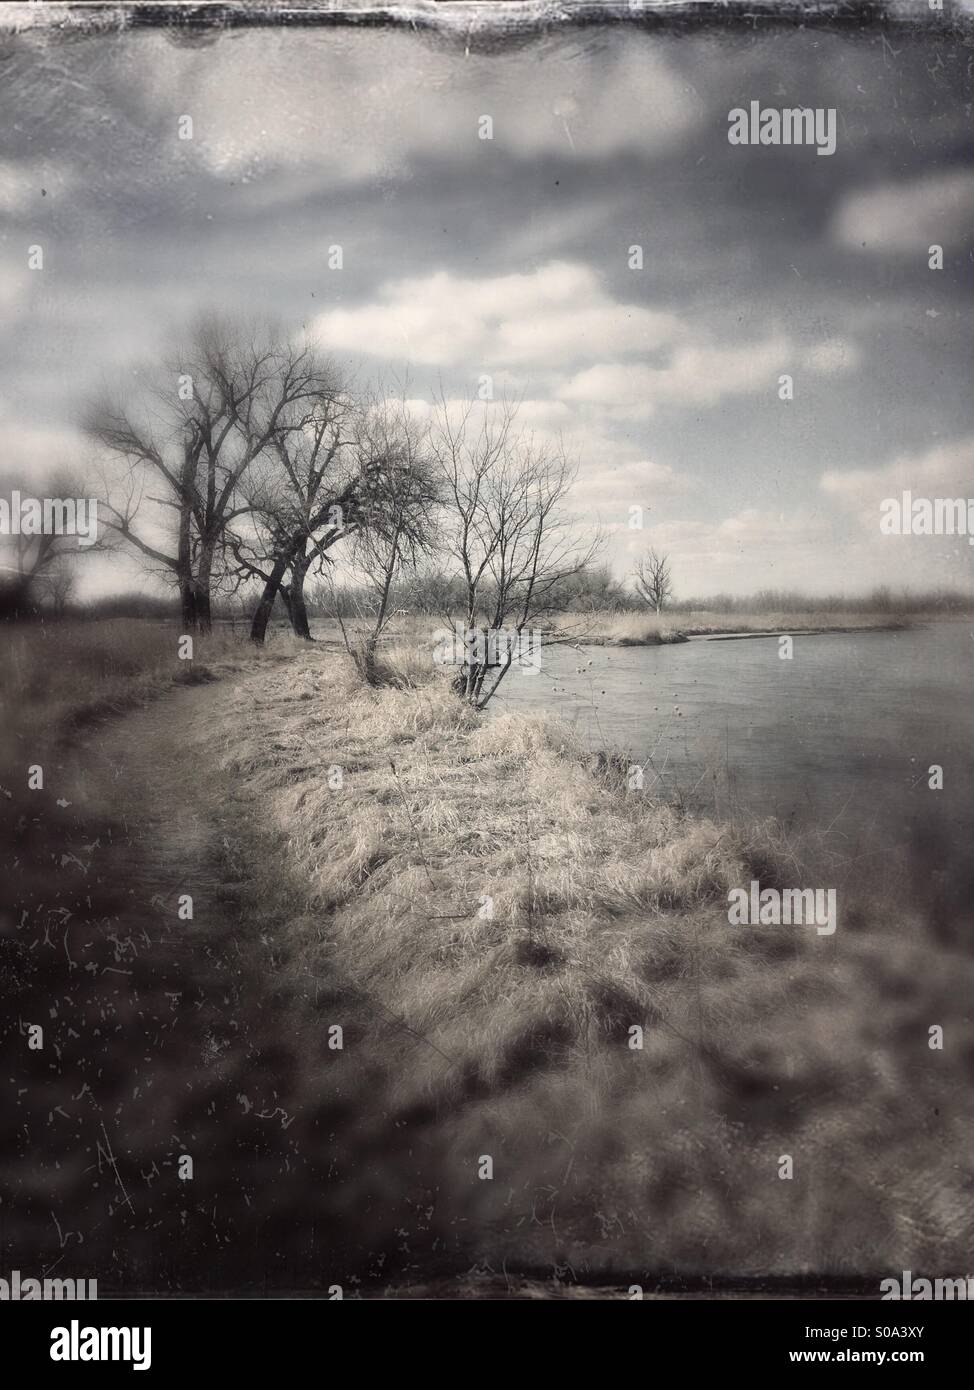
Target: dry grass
[506,1027]
[60,678]
[648,629]
[410,637]
[487,912]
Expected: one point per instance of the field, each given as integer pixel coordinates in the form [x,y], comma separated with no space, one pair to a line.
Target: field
[492,919]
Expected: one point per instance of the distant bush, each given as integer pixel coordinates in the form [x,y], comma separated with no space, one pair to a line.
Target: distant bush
[879,600]
[129,606]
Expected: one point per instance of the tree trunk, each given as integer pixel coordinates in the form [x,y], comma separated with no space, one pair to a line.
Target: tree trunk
[284,593]
[203,619]
[262,613]
[368,663]
[184,551]
[298,611]
[187,603]
[204,572]
[470,678]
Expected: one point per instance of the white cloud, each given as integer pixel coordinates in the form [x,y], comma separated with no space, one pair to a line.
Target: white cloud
[548,417]
[559,317]
[13,288]
[628,386]
[545,419]
[909,217]
[832,357]
[701,375]
[21,185]
[20,191]
[748,550]
[424,103]
[33,453]
[553,316]
[608,490]
[947,470]
[756,548]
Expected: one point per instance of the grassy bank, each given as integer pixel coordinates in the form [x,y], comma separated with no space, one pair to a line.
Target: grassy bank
[514,910]
[59,679]
[611,629]
[486,913]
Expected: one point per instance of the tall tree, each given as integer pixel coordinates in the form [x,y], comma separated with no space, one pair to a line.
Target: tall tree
[507,531]
[302,500]
[395,528]
[38,564]
[652,579]
[185,447]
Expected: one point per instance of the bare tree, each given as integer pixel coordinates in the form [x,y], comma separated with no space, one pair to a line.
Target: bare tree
[218,404]
[652,578]
[57,583]
[396,525]
[507,532]
[40,564]
[593,590]
[302,501]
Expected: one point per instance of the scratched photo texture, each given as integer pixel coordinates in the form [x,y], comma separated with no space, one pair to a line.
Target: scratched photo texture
[487,629]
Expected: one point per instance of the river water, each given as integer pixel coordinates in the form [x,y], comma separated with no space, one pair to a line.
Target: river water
[840,737]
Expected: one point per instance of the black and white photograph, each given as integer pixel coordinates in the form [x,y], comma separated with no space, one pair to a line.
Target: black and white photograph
[486,659]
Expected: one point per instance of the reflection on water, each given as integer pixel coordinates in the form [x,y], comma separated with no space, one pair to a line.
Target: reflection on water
[842,735]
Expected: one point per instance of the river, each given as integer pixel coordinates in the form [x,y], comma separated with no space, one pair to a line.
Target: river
[840,737]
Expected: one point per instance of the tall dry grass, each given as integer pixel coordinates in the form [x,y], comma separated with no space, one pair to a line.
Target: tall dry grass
[487,912]
[60,678]
[505,911]
[649,629]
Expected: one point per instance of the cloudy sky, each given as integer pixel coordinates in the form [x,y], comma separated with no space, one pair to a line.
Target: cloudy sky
[510,257]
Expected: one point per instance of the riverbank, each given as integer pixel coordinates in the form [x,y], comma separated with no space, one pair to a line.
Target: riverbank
[610,629]
[520,909]
[486,913]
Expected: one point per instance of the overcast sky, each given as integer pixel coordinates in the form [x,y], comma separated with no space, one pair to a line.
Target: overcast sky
[509,256]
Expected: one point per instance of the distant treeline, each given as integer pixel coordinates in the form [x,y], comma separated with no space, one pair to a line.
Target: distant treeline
[880,600]
[594,590]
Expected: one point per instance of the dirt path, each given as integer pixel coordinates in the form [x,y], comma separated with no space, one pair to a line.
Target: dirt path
[167,1038]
